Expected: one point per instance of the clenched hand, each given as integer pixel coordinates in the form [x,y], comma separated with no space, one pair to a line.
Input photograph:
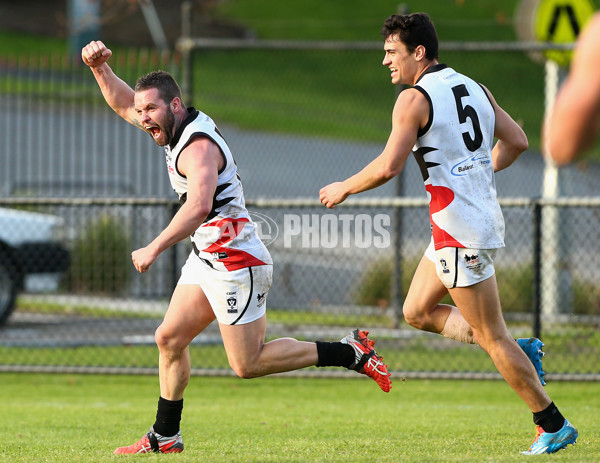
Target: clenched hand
[333,194]
[95,54]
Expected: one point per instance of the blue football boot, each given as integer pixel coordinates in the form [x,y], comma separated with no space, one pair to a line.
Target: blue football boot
[533,348]
[550,442]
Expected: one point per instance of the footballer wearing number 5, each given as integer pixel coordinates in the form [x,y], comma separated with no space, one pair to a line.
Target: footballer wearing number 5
[449,122]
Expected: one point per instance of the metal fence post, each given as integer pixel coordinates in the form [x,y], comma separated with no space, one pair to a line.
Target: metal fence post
[174,270]
[397,256]
[396,295]
[537,267]
[186,52]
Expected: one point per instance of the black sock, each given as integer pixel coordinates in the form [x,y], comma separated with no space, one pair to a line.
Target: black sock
[168,417]
[335,354]
[550,419]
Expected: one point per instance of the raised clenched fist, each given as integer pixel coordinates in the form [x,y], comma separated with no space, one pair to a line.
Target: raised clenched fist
[95,54]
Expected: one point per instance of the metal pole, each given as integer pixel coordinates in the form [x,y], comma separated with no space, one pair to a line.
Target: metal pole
[154,25]
[555,285]
[396,296]
[397,301]
[186,52]
[537,269]
[174,270]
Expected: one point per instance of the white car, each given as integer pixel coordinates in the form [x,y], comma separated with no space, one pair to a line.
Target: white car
[32,256]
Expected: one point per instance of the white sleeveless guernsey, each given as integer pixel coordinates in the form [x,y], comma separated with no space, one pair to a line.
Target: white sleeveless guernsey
[227,240]
[454,153]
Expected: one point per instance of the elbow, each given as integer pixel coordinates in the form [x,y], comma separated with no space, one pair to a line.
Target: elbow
[202,213]
[515,149]
[522,144]
[386,173]
[198,212]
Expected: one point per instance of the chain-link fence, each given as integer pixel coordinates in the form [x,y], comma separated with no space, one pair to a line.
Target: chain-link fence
[334,270]
[296,119]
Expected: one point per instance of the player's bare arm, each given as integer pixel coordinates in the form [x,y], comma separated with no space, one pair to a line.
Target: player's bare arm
[200,163]
[411,112]
[575,119]
[512,141]
[116,92]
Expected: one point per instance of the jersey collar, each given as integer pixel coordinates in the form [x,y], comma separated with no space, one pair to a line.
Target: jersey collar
[434,68]
[192,114]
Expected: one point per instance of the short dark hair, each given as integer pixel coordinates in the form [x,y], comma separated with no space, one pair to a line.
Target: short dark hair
[161,80]
[413,30]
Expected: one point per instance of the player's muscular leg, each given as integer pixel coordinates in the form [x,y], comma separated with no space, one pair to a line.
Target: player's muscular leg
[188,314]
[250,357]
[480,306]
[421,307]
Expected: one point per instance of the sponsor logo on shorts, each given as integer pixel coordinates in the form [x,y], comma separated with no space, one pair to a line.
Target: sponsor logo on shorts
[444,264]
[472,261]
[220,255]
[261,298]
[232,304]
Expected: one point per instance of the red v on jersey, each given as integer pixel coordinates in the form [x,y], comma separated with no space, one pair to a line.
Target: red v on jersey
[441,197]
[232,258]
[455,156]
[235,243]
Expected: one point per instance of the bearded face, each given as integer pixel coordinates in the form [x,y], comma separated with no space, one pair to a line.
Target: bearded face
[162,129]
[156,116]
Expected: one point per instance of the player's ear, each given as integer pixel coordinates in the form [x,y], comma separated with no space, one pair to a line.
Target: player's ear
[175,104]
[420,52]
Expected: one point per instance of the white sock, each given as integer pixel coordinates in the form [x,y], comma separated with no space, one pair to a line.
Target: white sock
[457,328]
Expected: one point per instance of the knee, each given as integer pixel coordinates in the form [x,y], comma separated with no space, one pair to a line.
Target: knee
[244,371]
[413,315]
[167,340]
[479,339]
[489,340]
[247,366]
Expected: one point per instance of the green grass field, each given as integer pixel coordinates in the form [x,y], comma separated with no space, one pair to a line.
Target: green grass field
[359,20]
[72,418]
